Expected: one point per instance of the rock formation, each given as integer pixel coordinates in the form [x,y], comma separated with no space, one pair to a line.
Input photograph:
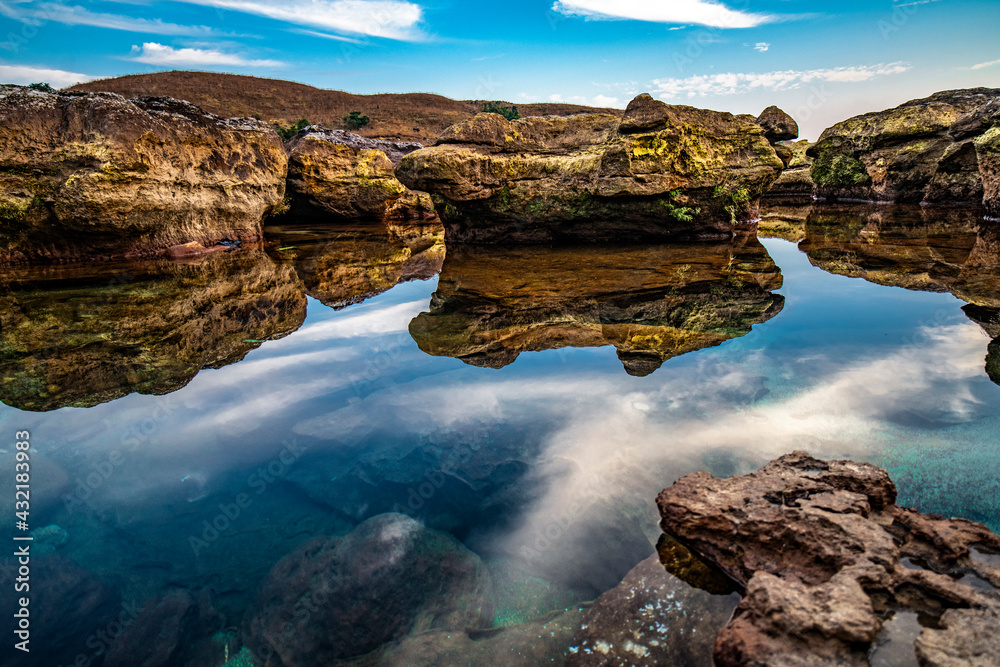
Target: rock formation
[795,185]
[146,327]
[350,176]
[921,151]
[95,175]
[988,153]
[331,600]
[660,171]
[829,560]
[652,302]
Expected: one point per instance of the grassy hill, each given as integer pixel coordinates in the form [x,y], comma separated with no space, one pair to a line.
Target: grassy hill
[409,116]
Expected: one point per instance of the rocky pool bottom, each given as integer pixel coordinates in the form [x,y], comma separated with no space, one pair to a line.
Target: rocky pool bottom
[358,446]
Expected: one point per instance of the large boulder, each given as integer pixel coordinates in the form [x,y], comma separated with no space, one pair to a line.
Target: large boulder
[346,174]
[332,600]
[659,171]
[651,303]
[97,175]
[921,151]
[778,125]
[833,568]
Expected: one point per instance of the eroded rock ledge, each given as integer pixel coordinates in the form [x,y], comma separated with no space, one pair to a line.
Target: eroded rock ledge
[828,559]
[659,171]
[94,175]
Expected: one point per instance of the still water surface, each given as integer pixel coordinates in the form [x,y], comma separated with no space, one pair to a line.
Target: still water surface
[529,403]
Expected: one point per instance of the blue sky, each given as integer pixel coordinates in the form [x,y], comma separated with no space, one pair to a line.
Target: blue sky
[821,62]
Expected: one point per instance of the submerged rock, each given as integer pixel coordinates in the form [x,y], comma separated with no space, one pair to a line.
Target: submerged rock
[332,600]
[96,175]
[825,555]
[660,171]
[651,303]
[651,618]
[350,176]
[76,336]
[924,150]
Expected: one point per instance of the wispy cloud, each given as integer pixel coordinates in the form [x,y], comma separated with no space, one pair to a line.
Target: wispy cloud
[698,12]
[76,15]
[152,53]
[762,47]
[391,19]
[23,75]
[734,83]
[991,63]
[325,35]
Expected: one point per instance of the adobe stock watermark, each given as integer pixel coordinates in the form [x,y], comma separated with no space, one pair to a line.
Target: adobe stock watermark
[100,641]
[257,482]
[900,16]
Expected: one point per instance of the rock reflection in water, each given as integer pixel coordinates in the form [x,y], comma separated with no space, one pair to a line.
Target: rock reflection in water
[79,336]
[917,248]
[651,303]
[345,264]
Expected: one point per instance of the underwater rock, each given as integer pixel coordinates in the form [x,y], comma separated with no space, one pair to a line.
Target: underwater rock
[825,555]
[921,151]
[49,538]
[350,176]
[72,614]
[541,641]
[71,336]
[331,600]
[94,175]
[651,303]
[660,171]
[154,637]
[346,264]
[652,618]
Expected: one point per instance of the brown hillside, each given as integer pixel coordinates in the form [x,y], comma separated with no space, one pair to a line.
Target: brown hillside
[409,116]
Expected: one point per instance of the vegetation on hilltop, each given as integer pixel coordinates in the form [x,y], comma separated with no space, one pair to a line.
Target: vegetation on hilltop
[407,116]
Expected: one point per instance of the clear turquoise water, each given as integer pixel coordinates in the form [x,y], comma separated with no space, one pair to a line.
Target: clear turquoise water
[546,468]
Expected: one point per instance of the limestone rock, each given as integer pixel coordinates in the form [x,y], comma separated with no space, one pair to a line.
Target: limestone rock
[795,185]
[778,125]
[826,554]
[922,150]
[331,600]
[96,175]
[348,175]
[660,171]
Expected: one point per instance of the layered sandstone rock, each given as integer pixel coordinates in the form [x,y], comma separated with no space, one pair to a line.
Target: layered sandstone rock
[828,559]
[660,171]
[93,175]
[350,176]
[924,150]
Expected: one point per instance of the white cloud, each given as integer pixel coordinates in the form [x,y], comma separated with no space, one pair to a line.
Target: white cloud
[699,12]
[985,65]
[57,78]
[555,98]
[392,19]
[762,47]
[152,53]
[735,83]
[47,11]
[605,101]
